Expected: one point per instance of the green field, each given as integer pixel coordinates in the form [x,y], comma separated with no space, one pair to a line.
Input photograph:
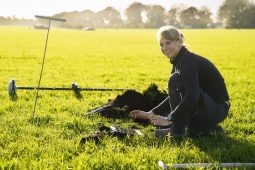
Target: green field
[113,59]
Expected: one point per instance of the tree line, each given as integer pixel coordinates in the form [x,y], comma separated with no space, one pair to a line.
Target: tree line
[232,13]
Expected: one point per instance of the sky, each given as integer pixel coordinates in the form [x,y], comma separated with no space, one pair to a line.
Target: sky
[29,8]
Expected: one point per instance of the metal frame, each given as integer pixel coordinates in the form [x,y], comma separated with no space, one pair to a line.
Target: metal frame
[12,88]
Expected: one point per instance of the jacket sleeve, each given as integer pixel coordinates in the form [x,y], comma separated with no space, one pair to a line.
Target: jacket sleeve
[189,76]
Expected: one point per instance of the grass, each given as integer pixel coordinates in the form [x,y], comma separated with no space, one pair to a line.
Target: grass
[113,59]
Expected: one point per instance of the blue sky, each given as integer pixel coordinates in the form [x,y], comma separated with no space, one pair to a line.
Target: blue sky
[29,8]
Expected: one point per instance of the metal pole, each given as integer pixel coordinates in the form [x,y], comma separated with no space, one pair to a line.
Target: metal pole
[68,88]
[50,18]
[207,165]
[39,82]
[162,165]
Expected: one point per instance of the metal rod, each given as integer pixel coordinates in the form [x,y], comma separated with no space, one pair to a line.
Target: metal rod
[97,110]
[44,88]
[162,165]
[50,18]
[207,165]
[39,82]
[68,88]
[103,89]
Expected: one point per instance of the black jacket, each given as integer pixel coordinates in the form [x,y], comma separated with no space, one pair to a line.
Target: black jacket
[196,73]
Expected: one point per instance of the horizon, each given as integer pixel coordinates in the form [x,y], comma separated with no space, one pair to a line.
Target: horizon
[29,8]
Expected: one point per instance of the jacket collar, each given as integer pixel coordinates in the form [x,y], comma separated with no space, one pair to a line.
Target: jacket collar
[179,55]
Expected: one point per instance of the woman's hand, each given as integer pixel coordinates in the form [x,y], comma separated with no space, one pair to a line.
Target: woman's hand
[159,121]
[140,114]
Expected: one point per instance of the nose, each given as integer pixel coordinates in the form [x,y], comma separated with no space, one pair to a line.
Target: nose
[163,47]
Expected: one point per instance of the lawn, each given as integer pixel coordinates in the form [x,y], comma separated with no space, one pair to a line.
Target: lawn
[113,59]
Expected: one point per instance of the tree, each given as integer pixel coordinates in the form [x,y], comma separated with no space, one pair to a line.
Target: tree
[249,17]
[172,17]
[237,13]
[189,17]
[73,20]
[111,17]
[195,18]
[155,16]
[89,18]
[204,16]
[134,15]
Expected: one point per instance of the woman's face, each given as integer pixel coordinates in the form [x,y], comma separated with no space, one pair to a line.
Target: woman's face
[169,48]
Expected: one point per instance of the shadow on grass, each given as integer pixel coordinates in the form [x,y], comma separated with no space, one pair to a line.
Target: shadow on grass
[78,95]
[219,147]
[41,121]
[13,97]
[223,148]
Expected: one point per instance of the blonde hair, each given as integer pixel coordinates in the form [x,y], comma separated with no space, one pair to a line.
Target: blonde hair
[170,33]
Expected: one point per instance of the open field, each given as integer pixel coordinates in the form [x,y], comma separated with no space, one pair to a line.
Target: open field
[113,59]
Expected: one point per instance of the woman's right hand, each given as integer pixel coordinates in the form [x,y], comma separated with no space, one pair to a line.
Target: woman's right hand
[140,114]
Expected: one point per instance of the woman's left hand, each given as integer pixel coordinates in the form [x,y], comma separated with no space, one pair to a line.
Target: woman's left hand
[159,120]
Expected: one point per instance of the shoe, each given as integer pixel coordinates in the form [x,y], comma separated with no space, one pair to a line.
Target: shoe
[161,133]
[178,131]
[173,131]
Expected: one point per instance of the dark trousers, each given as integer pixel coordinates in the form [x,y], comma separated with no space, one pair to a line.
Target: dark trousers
[207,111]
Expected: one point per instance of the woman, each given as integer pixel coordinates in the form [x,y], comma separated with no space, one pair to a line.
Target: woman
[197,96]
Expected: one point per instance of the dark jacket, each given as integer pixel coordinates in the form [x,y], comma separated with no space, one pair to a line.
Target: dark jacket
[197,73]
